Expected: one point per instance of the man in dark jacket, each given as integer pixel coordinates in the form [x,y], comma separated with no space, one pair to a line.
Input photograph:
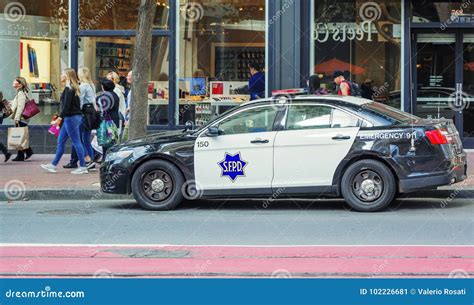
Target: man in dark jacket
[256,82]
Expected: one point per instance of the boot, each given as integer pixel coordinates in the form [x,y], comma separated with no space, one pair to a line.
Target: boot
[19,157]
[28,153]
[4,150]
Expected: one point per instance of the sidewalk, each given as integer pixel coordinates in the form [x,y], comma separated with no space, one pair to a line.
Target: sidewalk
[28,181]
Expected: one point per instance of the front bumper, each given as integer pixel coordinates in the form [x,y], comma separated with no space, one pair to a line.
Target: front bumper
[114,179]
[457,173]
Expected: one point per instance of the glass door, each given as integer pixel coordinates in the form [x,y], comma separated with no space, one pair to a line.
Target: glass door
[436,75]
[468,90]
[445,80]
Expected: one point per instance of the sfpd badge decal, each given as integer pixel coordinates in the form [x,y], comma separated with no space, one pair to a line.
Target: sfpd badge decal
[232,166]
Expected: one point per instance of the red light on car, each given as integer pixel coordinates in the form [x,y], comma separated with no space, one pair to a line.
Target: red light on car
[436,137]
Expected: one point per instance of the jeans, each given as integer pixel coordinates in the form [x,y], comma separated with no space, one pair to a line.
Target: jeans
[86,138]
[70,129]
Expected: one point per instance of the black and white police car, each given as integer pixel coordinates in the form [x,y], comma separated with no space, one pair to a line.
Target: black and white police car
[306,146]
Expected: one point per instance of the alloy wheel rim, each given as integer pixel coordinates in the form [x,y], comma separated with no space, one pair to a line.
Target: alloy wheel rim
[367,186]
[157,185]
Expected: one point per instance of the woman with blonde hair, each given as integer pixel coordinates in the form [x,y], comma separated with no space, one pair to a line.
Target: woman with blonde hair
[18,105]
[120,91]
[71,115]
[87,98]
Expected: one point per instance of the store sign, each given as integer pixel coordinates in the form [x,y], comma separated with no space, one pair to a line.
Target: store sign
[353,31]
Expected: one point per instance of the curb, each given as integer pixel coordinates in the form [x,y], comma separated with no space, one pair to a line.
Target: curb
[97,194]
[60,194]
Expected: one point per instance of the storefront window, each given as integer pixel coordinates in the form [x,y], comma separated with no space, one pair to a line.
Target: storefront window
[218,41]
[363,40]
[446,12]
[32,42]
[117,14]
[103,55]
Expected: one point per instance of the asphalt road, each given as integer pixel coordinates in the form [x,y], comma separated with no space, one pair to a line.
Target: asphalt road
[409,221]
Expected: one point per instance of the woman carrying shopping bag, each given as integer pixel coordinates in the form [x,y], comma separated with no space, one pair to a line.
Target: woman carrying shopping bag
[71,117]
[18,106]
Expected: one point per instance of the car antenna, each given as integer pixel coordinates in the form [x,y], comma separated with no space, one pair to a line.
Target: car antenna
[410,76]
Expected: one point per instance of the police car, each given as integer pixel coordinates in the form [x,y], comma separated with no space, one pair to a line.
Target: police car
[363,151]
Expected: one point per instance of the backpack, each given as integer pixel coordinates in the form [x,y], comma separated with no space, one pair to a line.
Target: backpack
[355,88]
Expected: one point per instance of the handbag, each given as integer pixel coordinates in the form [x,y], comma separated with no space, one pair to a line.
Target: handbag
[31,109]
[18,138]
[54,130]
[91,116]
[107,134]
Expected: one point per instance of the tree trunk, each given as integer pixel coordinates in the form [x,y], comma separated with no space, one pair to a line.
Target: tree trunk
[141,68]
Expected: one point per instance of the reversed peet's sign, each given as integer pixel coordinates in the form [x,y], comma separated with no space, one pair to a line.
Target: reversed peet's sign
[354,31]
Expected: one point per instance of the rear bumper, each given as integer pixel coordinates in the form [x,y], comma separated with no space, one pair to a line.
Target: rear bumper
[457,174]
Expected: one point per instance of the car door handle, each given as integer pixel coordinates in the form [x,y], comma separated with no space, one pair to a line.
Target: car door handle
[341,137]
[259,141]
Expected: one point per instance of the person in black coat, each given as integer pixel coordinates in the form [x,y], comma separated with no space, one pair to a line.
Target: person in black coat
[108,103]
[3,149]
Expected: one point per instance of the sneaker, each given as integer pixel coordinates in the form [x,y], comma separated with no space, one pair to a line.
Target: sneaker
[80,171]
[70,166]
[49,167]
[90,165]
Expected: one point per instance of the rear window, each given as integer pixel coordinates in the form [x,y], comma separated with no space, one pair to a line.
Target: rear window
[389,113]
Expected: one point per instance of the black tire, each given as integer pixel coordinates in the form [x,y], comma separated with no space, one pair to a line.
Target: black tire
[368,186]
[145,185]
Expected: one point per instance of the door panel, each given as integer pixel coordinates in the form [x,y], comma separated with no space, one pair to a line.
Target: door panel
[310,157]
[234,162]
[241,156]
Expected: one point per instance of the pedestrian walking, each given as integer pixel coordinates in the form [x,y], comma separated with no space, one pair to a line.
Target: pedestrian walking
[108,104]
[314,84]
[342,84]
[17,106]
[3,113]
[120,91]
[366,89]
[128,101]
[88,107]
[71,116]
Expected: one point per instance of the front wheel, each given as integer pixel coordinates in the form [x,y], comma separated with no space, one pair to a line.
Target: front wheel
[368,186]
[156,185]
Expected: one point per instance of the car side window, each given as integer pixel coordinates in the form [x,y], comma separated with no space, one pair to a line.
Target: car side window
[308,117]
[341,119]
[258,119]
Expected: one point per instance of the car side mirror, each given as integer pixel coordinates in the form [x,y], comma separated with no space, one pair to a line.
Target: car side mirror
[213,131]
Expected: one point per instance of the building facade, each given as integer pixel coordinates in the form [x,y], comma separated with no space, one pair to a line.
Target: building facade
[417,56]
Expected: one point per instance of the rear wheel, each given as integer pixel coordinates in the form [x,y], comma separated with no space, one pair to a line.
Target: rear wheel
[368,186]
[156,185]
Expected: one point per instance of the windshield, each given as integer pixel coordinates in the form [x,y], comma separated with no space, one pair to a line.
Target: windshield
[215,119]
[389,113]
